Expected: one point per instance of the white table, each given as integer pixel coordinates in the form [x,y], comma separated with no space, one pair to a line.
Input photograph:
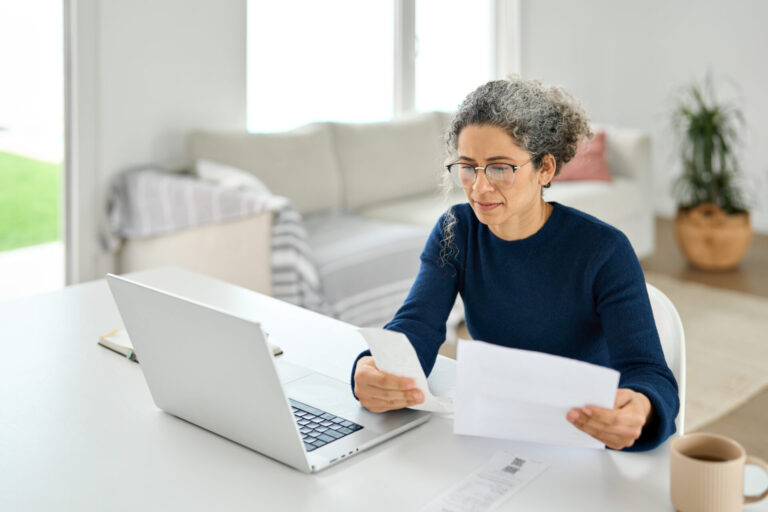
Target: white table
[79,430]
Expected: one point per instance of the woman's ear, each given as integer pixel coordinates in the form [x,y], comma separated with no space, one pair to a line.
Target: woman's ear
[547,169]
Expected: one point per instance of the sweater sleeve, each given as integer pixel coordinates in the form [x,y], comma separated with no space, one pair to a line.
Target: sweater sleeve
[423,315]
[635,350]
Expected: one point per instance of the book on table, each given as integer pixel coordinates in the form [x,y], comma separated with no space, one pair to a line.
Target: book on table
[119,342]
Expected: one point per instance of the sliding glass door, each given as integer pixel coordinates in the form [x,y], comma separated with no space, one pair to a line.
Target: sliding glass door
[31,147]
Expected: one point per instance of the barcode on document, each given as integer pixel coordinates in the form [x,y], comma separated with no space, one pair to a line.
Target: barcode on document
[515,466]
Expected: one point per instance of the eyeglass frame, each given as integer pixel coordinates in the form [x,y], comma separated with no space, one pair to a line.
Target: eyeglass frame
[514,170]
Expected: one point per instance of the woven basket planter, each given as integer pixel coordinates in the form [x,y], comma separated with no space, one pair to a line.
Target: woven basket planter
[711,239]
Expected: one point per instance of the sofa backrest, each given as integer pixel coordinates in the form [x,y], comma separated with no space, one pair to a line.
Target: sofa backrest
[299,164]
[358,165]
[389,160]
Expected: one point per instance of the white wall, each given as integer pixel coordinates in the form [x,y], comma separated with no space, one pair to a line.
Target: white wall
[626,60]
[144,73]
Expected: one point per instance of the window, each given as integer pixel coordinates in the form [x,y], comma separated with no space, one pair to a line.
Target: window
[31,147]
[346,60]
[453,51]
[317,61]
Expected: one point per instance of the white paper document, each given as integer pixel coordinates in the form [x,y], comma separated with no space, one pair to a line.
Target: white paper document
[394,354]
[489,486]
[523,395]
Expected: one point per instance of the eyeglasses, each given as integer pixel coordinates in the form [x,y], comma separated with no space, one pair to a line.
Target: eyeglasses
[500,176]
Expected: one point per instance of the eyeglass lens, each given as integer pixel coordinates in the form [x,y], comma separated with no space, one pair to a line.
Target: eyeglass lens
[499,175]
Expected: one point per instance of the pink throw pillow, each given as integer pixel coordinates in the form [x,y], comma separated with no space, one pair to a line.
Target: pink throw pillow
[589,164]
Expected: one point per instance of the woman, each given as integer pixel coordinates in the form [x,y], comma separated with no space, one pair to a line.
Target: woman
[533,275]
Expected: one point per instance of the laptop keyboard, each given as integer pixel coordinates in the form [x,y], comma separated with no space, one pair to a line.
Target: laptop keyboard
[319,428]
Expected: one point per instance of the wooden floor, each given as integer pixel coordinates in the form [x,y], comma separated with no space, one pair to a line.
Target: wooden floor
[748,423]
[750,277]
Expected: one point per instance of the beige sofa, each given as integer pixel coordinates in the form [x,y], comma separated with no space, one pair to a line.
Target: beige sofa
[389,172]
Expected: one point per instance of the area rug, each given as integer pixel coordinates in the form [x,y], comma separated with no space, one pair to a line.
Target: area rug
[726,335]
[747,423]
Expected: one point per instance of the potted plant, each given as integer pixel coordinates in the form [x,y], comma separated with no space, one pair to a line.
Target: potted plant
[712,225]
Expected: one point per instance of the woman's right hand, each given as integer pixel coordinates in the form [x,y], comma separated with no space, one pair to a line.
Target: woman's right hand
[379,391]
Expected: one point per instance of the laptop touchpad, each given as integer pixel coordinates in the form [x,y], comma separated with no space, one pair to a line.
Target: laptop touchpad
[289,372]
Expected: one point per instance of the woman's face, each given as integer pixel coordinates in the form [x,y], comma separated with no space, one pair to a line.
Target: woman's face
[506,211]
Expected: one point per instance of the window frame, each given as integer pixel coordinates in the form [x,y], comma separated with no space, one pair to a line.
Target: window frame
[505,47]
[505,37]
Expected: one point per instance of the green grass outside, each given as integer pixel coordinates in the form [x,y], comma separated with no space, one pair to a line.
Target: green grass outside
[29,201]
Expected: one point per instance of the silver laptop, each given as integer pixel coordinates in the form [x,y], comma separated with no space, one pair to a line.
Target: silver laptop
[216,370]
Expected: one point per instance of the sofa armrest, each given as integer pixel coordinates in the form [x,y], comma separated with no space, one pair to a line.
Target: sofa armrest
[236,251]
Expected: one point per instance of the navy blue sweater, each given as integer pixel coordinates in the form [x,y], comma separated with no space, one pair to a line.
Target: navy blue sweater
[574,289]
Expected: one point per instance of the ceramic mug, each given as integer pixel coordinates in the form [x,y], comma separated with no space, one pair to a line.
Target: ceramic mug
[707,474]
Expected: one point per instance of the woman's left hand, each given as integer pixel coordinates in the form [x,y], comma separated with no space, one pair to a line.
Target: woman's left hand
[618,427]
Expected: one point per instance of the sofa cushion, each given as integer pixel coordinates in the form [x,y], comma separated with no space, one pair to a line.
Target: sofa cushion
[589,164]
[227,176]
[423,210]
[629,154]
[609,202]
[444,121]
[366,266]
[299,164]
[389,160]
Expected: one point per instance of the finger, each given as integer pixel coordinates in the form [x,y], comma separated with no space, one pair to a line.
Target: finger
[623,426]
[617,441]
[377,404]
[629,414]
[604,419]
[617,421]
[583,421]
[376,377]
[410,395]
[367,360]
[383,380]
[590,429]
[371,376]
[364,389]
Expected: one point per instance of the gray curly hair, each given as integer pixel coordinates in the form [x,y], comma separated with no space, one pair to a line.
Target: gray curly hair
[541,119]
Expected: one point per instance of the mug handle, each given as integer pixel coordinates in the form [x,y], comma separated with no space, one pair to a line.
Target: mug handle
[755,461]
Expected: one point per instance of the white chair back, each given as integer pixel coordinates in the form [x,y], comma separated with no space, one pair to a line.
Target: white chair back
[672,337]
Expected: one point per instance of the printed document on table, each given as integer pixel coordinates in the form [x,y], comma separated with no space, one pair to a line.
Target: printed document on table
[394,354]
[523,395]
[488,487]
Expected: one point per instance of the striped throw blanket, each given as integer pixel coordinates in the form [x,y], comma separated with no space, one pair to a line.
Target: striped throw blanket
[151,202]
[368,266]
